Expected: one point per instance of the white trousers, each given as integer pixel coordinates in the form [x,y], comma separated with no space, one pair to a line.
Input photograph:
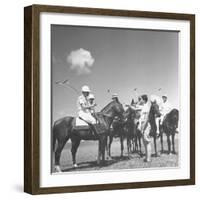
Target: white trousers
[87,117]
[160,119]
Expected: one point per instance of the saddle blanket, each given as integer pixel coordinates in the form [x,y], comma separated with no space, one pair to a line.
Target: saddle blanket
[80,122]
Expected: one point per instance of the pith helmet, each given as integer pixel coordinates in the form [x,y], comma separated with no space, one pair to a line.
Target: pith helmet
[114,95]
[85,88]
[91,96]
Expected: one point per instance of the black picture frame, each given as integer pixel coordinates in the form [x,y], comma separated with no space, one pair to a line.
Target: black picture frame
[32,93]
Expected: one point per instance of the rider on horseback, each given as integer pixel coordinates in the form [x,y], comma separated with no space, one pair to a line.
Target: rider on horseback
[165,108]
[86,107]
[92,103]
[115,97]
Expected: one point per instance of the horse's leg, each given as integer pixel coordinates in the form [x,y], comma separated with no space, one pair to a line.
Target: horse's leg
[75,144]
[161,141]
[104,141]
[140,146]
[169,143]
[99,153]
[155,146]
[128,145]
[132,145]
[61,144]
[136,144]
[173,143]
[122,145]
[109,146]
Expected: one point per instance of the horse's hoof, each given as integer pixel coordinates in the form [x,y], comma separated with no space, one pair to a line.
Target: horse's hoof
[174,152]
[75,165]
[109,158]
[147,160]
[57,169]
[169,153]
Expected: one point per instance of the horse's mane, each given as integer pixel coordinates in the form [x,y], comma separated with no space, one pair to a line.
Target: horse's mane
[173,113]
[105,109]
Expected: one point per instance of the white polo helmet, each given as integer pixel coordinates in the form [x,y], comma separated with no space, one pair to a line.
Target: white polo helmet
[114,95]
[85,88]
[91,96]
[155,98]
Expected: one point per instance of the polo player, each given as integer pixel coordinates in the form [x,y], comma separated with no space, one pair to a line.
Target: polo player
[84,107]
[165,108]
[85,110]
[92,103]
[115,97]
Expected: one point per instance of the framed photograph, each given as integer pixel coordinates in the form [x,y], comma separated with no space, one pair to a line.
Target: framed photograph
[109,99]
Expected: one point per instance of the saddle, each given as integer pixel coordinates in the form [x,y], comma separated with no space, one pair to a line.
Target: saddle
[80,124]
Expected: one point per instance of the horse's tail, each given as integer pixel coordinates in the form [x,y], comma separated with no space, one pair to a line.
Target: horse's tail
[54,137]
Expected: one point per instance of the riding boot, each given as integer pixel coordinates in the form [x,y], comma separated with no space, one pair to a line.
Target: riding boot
[98,129]
[95,130]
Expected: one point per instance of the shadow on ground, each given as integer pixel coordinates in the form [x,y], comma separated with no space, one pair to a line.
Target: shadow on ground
[93,164]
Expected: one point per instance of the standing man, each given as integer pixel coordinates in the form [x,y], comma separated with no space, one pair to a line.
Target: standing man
[144,125]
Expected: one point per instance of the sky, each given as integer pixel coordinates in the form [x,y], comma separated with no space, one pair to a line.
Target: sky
[112,59]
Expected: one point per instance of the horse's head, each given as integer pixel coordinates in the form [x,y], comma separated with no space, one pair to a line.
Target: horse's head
[114,109]
[130,114]
[118,110]
[173,118]
[154,110]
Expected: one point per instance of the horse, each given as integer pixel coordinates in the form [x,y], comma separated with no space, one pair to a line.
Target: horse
[169,126]
[128,130]
[64,129]
[117,130]
[153,113]
[133,134]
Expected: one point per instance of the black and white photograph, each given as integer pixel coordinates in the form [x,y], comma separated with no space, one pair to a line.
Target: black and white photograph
[109,99]
[115,99]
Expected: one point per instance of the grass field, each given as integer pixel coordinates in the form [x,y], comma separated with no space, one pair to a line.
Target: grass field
[87,156]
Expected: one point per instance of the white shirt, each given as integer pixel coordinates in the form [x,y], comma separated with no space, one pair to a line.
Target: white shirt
[144,111]
[81,102]
[165,108]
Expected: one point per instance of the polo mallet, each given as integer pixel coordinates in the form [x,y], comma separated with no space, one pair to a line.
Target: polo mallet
[66,84]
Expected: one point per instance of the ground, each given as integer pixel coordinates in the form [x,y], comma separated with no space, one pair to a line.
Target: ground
[87,156]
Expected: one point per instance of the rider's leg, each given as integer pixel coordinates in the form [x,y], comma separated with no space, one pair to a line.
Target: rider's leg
[161,119]
[87,117]
[157,125]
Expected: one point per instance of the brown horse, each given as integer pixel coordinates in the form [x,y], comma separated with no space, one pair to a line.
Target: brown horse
[133,134]
[117,130]
[153,113]
[126,129]
[64,129]
[169,126]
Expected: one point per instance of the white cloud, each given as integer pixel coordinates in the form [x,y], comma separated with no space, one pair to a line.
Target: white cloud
[81,61]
